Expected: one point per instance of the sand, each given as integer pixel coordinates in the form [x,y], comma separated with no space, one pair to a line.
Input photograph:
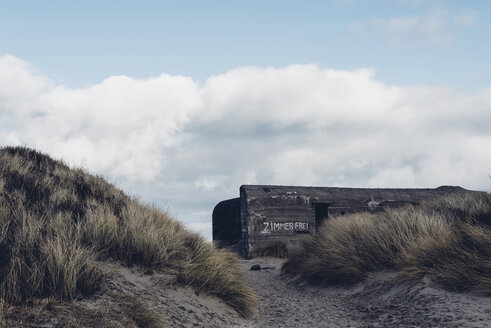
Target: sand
[380,301]
[180,306]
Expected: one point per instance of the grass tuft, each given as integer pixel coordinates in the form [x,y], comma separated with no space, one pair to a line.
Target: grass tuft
[276,249]
[217,272]
[449,239]
[136,309]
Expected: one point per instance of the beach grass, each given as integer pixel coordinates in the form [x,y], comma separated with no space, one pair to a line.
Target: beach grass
[448,239]
[56,222]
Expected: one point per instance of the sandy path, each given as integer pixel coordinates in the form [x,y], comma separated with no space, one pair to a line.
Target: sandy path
[380,301]
[283,304]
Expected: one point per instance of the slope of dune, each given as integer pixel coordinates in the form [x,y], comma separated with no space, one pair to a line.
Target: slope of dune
[60,227]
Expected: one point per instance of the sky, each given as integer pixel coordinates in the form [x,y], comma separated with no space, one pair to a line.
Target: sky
[181,102]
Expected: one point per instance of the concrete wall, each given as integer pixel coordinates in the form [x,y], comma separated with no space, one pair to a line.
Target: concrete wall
[268,214]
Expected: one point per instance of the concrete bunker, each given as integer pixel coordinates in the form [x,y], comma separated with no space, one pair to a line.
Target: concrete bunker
[264,215]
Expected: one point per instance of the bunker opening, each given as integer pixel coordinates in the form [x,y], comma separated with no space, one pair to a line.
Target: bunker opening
[321,213]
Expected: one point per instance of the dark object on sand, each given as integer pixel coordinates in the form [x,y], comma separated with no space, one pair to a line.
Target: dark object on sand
[256,267]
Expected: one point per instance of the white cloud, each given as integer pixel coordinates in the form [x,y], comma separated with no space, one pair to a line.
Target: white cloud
[437,27]
[121,125]
[208,183]
[20,85]
[190,145]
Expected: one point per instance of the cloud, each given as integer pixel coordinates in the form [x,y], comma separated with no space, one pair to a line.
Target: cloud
[188,145]
[207,183]
[121,125]
[437,27]
[20,85]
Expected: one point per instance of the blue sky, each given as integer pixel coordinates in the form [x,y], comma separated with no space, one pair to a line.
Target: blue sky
[84,42]
[182,102]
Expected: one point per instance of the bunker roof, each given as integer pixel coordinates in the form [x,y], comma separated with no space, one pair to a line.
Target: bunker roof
[341,193]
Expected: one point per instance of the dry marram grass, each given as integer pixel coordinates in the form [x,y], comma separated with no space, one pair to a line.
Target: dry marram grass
[276,249]
[56,221]
[449,239]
